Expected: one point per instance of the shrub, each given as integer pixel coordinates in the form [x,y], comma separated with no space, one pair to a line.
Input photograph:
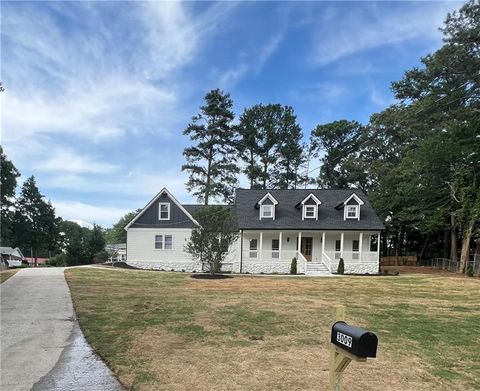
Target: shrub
[58,260]
[470,271]
[101,257]
[293,266]
[341,267]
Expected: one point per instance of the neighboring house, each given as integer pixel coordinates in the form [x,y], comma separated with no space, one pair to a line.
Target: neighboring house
[11,256]
[316,226]
[117,252]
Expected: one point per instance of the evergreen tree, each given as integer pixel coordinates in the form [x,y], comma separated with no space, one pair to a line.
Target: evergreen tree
[95,242]
[288,172]
[34,222]
[338,143]
[8,178]
[211,162]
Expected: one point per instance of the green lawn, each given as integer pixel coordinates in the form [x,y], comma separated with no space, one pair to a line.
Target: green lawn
[166,331]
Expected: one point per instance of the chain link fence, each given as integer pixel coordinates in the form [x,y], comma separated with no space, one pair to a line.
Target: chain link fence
[450,265]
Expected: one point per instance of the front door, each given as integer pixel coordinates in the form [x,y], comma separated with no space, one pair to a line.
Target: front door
[306,248]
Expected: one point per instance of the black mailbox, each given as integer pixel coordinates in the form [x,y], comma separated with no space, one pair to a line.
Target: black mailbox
[355,340]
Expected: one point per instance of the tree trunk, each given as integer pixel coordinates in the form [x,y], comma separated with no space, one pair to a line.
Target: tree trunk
[36,256]
[445,243]
[467,236]
[208,179]
[453,238]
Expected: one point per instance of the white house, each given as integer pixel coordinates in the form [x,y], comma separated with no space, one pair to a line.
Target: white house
[316,226]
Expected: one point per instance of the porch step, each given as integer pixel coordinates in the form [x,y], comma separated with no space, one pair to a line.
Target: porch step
[316,269]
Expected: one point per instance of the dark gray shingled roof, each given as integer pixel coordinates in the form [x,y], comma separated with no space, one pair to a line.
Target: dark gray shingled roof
[289,217]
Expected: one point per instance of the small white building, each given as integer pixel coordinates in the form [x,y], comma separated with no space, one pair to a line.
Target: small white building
[316,226]
[11,256]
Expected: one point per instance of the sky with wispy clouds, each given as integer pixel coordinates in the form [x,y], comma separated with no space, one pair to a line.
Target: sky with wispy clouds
[97,93]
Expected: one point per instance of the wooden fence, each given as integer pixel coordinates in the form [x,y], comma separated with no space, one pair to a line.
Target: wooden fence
[404,260]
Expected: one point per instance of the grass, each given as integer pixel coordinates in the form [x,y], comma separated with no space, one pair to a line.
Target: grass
[6,274]
[166,331]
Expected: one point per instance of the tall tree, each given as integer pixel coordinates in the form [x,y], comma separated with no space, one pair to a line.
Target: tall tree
[95,242]
[34,222]
[270,147]
[117,233]
[211,162]
[8,178]
[338,143]
[289,172]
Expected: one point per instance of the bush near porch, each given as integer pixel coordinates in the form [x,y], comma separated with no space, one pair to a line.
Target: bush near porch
[167,331]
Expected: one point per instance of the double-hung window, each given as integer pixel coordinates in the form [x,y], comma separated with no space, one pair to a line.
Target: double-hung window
[352,211]
[310,211]
[253,248]
[355,249]
[266,211]
[164,211]
[163,242]
[275,248]
[338,245]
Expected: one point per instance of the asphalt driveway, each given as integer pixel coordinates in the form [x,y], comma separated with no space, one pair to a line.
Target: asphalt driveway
[42,347]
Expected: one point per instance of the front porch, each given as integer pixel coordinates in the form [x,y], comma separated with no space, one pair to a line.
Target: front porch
[317,252]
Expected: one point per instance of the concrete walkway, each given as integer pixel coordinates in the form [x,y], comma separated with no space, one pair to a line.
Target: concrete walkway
[40,338]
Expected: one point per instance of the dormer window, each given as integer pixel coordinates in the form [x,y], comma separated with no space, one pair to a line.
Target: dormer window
[266,211]
[352,211]
[164,211]
[351,207]
[310,211]
[309,207]
[267,207]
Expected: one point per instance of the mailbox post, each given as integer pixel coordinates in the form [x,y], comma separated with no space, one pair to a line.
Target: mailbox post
[348,343]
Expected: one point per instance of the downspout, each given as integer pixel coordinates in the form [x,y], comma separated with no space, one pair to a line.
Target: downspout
[241,249]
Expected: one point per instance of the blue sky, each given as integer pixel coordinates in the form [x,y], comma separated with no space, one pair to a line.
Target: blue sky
[97,94]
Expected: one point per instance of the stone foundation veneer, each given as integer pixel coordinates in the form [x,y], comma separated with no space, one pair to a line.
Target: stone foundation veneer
[356,267]
[267,267]
[167,265]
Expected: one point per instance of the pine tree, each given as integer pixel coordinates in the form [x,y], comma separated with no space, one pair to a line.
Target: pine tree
[34,222]
[95,242]
[8,178]
[289,172]
[211,162]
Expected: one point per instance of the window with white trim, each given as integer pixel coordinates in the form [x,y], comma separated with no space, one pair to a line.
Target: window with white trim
[373,243]
[163,242]
[266,211]
[275,248]
[164,211]
[310,211]
[352,211]
[355,249]
[338,245]
[253,248]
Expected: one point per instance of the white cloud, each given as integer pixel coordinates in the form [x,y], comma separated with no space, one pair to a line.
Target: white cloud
[100,214]
[65,160]
[374,25]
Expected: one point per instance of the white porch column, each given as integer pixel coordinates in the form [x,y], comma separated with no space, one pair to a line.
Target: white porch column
[323,244]
[378,246]
[360,248]
[280,246]
[341,244]
[260,250]
[299,243]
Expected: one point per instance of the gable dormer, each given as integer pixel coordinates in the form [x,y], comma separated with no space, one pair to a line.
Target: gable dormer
[309,207]
[351,207]
[267,207]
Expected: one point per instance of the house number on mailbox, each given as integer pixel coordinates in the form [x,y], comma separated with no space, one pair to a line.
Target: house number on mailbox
[344,339]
